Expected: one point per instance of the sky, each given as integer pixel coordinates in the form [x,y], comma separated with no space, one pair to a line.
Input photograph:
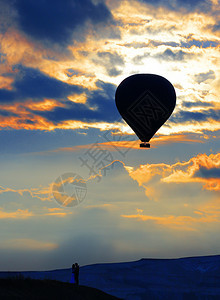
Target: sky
[74,184]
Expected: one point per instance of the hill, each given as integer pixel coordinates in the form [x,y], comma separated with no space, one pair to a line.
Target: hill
[31,289]
[183,278]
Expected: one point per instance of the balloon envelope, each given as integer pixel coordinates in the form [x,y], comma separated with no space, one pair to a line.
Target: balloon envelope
[145,102]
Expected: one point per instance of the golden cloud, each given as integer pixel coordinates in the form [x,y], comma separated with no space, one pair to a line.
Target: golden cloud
[41,193]
[134,20]
[59,214]
[180,172]
[18,214]
[185,223]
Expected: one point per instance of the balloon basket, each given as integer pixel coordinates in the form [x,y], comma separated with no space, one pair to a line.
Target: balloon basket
[144,145]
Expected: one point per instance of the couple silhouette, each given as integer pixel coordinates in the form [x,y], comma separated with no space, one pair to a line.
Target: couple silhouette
[75,274]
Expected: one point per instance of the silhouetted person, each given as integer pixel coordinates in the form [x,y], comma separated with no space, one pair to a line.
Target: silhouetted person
[76,274]
[73,276]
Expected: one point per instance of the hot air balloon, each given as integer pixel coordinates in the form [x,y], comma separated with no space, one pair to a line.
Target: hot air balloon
[145,102]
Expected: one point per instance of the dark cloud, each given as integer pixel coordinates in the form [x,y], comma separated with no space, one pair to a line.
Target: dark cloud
[168,54]
[114,72]
[189,43]
[216,27]
[186,116]
[200,44]
[6,95]
[159,43]
[6,113]
[31,83]
[99,107]
[202,77]
[55,20]
[113,58]
[138,60]
[6,15]
[208,173]
[197,104]
[34,85]
[197,5]
[110,61]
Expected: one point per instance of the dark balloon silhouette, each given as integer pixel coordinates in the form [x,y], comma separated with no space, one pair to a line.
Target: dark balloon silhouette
[145,102]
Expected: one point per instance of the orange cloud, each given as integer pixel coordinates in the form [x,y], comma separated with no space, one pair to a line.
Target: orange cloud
[26,121]
[18,214]
[25,214]
[156,141]
[55,209]
[59,214]
[134,20]
[194,165]
[41,193]
[134,144]
[186,223]
[181,172]
[46,104]
[19,50]
[23,115]
[5,82]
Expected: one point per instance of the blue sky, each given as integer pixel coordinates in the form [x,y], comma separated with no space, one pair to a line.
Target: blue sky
[60,65]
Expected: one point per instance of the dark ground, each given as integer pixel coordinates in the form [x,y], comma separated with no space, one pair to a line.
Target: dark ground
[21,288]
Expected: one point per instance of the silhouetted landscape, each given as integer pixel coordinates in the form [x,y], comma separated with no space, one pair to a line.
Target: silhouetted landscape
[184,278]
[26,288]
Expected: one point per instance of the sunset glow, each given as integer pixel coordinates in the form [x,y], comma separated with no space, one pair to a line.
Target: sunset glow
[60,65]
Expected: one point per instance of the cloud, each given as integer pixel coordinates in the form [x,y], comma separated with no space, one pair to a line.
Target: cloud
[18,214]
[184,223]
[136,45]
[21,244]
[110,61]
[156,43]
[191,171]
[117,143]
[58,214]
[7,15]
[188,5]
[216,27]
[197,168]
[199,116]
[167,55]
[30,203]
[197,104]
[170,55]
[72,82]
[6,96]
[32,84]
[55,21]
[6,113]
[201,44]
[54,102]
[41,193]
[204,172]
[98,107]
[203,77]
